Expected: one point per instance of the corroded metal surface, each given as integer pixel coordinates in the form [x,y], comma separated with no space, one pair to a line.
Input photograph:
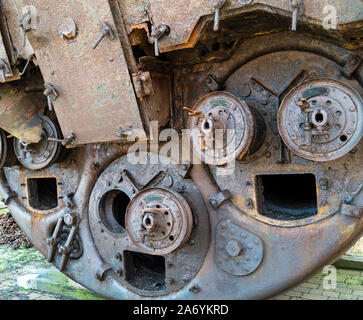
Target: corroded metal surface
[165,217]
[19,113]
[182,264]
[42,154]
[222,117]
[188,18]
[273,220]
[238,252]
[96,96]
[321,120]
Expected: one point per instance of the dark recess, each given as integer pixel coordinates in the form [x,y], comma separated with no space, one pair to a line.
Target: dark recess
[287,197]
[112,210]
[42,193]
[144,271]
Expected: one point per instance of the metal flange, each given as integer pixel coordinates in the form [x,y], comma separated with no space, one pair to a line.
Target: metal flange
[226,128]
[238,252]
[321,120]
[39,155]
[158,221]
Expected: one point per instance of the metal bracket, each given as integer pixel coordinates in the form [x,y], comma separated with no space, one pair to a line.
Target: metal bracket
[26,25]
[352,63]
[217,199]
[71,220]
[143,84]
[264,93]
[213,84]
[351,210]
[184,169]
[6,197]
[66,249]
[348,208]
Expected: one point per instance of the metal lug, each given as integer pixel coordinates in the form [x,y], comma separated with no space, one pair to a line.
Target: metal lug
[143,84]
[352,64]
[217,199]
[25,25]
[184,170]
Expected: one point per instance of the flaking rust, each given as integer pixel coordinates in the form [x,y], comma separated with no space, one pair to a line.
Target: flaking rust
[262,190]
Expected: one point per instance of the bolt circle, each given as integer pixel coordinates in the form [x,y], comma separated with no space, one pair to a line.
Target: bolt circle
[165,218]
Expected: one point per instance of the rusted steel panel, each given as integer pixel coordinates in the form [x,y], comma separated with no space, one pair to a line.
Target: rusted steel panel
[19,113]
[96,96]
[184,16]
[10,24]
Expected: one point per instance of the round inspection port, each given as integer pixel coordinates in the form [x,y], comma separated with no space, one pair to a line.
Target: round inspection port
[112,210]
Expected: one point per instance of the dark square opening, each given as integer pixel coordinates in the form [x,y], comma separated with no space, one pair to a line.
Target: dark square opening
[144,271]
[42,193]
[287,196]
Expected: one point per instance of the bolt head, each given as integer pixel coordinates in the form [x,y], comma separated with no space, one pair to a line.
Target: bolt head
[194,289]
[249,203]
[213,202]
[233,248]
[70,219]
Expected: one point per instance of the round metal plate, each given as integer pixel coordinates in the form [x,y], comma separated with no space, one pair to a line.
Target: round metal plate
[181,265]
[43,154]
[334,108]
[238,122]
[158,221]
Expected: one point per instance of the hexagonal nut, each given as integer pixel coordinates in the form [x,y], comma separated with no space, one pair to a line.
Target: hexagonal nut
[70,219]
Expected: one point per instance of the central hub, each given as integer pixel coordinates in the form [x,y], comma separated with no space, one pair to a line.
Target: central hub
[158,221]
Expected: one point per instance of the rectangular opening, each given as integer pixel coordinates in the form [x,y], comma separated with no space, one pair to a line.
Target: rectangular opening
[144,271]
[287,196]
[42,193]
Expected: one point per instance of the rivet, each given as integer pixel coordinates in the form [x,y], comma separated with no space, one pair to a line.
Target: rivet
[249,203]
[195,289]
